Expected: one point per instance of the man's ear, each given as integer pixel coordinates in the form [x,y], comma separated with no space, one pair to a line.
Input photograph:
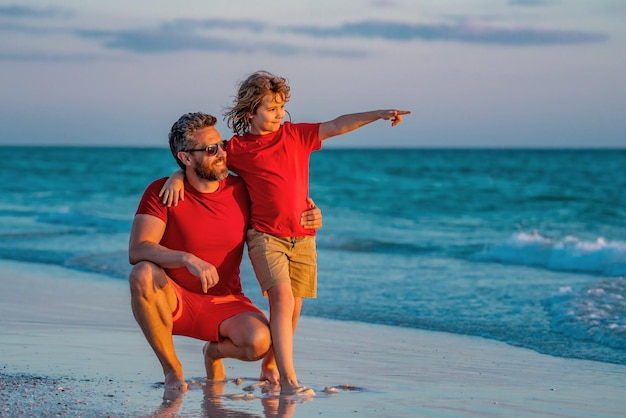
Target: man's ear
[184,158]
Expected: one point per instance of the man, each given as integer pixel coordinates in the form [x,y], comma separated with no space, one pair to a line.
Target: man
[185,279]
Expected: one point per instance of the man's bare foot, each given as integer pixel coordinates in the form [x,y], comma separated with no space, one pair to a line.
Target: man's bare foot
[270,374]
[215,371]
[172,400]
[175,381]
[269,370]
[300,391]
[283,407]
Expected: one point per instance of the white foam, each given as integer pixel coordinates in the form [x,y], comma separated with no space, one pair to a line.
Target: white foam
[566,254]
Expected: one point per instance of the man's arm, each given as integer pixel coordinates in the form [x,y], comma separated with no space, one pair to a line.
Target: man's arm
[346,123]
[145,236]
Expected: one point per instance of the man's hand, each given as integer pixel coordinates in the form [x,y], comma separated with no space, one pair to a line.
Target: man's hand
[206,272]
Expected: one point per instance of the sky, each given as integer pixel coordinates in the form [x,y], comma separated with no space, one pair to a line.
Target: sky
[474,73]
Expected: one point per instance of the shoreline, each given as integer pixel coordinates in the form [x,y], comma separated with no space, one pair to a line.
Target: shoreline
[70,346]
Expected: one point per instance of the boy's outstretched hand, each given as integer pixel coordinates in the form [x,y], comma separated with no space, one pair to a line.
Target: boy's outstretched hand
[395,116]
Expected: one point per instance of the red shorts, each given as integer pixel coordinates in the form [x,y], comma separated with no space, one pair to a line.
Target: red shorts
[199,316]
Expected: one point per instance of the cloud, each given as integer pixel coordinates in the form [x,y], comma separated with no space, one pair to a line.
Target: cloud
[192,35]
[159,41]
[213,35]
[177,36]
[16,11]
[529,2]
[30,30]
[384,4]
[49,57]
[465,32]
[254,36]
[209,35]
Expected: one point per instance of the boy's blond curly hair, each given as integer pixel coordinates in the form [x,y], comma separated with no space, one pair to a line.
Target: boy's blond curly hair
[250,94]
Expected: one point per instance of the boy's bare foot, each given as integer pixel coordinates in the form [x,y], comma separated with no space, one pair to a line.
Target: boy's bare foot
[289,385]
[213,363]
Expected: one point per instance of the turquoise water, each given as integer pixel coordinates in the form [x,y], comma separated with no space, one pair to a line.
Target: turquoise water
[522,246]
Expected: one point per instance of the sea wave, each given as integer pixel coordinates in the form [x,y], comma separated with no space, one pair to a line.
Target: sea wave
[603,257]
[114,264]
[17,221]
[595,312]
[370,245]
[85,220]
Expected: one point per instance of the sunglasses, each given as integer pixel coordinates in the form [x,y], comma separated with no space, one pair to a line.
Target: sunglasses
[210,149]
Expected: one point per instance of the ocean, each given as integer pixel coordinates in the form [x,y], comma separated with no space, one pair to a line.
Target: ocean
[522,246]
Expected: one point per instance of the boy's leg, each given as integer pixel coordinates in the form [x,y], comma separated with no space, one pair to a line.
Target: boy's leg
[272,259]
[268,255]
[303,273]
[269,369]
[297,307]
[303,283]
[281,303]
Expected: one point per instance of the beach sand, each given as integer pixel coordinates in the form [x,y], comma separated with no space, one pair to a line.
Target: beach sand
[70,347]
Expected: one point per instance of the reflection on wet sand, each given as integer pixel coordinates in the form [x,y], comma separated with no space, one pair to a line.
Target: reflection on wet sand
[218,396]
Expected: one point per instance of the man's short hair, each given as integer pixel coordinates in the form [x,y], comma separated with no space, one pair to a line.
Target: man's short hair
[181,134]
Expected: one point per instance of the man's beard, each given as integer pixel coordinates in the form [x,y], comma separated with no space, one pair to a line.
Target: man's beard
[207,171]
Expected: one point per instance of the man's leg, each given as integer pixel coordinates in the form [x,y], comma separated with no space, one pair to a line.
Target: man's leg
[245,336]
[153,300]
[269,370]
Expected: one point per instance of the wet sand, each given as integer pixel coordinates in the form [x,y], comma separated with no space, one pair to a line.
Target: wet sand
[70,347]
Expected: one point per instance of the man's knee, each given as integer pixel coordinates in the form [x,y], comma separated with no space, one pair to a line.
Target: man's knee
[257,341]
[261,344]
[142,278]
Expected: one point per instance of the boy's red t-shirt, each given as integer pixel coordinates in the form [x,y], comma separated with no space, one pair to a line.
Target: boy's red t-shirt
[275,168]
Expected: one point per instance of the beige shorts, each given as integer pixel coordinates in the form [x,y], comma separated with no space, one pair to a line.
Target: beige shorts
[284,260]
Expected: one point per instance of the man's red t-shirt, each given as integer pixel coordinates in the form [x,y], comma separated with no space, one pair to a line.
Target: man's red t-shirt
[211,226]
